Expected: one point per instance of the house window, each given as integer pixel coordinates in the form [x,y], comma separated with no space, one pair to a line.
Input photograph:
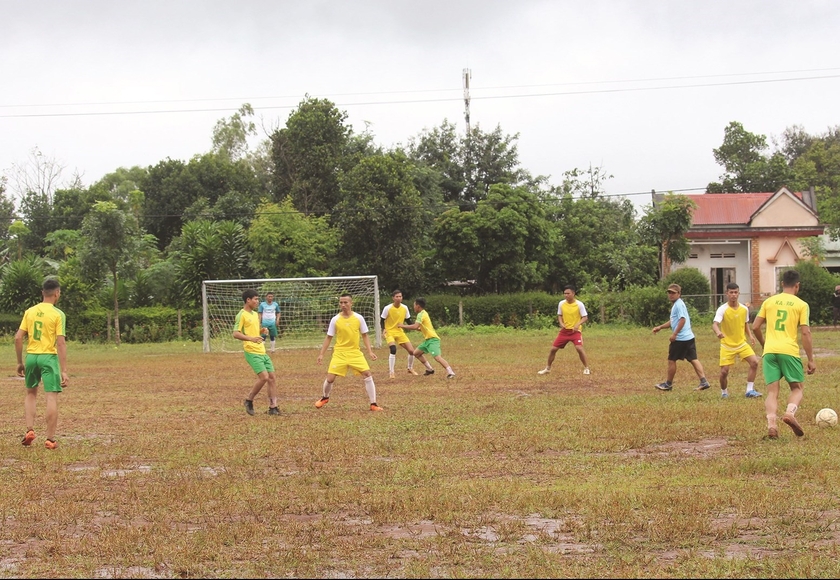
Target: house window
[722,255]
[692,256]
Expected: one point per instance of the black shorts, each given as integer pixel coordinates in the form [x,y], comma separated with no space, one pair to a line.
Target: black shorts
[682,349]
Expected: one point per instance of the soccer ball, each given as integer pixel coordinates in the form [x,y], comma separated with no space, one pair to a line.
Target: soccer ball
[826,418]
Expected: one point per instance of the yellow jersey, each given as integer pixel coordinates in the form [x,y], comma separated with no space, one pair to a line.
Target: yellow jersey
[43,324]
[248,323]
[784,314]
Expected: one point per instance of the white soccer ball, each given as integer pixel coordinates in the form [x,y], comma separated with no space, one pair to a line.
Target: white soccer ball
[826,418]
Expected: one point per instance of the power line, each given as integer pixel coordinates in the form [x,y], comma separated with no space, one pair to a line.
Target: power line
[404,91]
[421,101]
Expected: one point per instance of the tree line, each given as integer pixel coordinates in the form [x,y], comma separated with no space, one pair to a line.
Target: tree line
[315,198]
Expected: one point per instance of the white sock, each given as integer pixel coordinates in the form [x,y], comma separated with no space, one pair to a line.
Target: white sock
[791,408]
[449,371]
[371,389]
[410,361]
[750,387]
[428,366]
[327,388]
[272,345]
[392,362]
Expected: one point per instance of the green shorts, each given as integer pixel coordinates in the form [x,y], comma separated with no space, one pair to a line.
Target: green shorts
[271,328]
[430,346]
[776,366]
[43,367]
[259,362]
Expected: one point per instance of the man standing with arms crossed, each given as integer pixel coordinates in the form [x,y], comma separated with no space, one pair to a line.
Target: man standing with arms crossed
[731,326]
[46,359]
[786,314]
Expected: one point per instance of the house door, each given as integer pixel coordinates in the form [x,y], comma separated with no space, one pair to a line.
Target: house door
[720,277]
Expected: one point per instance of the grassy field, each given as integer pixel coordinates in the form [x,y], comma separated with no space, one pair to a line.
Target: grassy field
[499,473]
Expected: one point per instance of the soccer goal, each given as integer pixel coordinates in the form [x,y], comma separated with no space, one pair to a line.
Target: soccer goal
[306,307]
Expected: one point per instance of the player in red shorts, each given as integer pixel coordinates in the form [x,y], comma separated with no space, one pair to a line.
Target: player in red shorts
[571,314]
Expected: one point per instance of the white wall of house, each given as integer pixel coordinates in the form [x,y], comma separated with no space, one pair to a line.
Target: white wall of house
[721,256]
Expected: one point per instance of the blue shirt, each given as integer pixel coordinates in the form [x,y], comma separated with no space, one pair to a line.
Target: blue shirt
[679,310]
[269,312]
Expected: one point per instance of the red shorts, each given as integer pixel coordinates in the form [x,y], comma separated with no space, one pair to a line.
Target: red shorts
[567,335]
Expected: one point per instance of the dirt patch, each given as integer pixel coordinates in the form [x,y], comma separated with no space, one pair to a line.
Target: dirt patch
[702,448]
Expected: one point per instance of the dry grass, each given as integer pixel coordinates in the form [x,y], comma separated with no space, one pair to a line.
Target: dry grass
[499,473]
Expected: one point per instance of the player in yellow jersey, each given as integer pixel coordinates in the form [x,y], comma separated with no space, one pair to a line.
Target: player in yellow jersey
[731,326]
[571,315]
[46,359]
[431,342]
[787,315]
[247,329]
[348,328]
[393,315]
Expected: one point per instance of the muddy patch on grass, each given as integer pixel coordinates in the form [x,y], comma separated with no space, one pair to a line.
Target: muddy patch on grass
[702,448]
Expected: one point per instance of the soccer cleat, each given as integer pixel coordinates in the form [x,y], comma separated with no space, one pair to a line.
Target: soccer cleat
[703,386]
[724,395]
[450,376]
[752,394]
[323,401]
[772,433]
[413,372]
[544,372]
[791,422]
[249,407]
[392,376]
[273,411]
[375,407]
[428,372]
[586,371]
[50,444]
[28,438]
[664,387]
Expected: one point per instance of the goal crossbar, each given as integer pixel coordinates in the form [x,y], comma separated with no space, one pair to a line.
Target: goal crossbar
[306,307]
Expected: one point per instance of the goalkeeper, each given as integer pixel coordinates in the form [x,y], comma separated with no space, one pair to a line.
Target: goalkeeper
[270,317]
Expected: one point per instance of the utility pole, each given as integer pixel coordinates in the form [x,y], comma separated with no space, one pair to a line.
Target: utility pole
[467,77]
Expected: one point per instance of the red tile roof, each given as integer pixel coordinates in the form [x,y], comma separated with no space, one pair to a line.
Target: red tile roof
[728,208]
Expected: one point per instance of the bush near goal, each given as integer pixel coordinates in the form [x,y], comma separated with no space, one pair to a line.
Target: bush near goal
[306,307]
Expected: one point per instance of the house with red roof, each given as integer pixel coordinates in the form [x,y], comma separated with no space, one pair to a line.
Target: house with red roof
[748,238]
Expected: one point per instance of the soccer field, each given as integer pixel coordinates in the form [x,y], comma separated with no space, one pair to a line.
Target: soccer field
[498,473]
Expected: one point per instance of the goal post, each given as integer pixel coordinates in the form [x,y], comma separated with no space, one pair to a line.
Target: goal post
[306,307]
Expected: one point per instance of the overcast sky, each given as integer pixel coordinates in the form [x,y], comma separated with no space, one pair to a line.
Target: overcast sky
[642,89]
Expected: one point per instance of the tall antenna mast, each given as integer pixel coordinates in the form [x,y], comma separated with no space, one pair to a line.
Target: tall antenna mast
[467,77]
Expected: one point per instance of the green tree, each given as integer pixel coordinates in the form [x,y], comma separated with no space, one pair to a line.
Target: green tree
[382,222]
[230,136]
[111,243]
[500,245]
[7,211]
[287,244]
[307,155]
[815,162]
[172,187]
[470,164]
[208,250]
[596,241]
[665,225]
[440,149]
[20,284]
[747,167]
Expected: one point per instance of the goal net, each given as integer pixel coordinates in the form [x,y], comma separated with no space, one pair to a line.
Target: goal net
[306,307]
